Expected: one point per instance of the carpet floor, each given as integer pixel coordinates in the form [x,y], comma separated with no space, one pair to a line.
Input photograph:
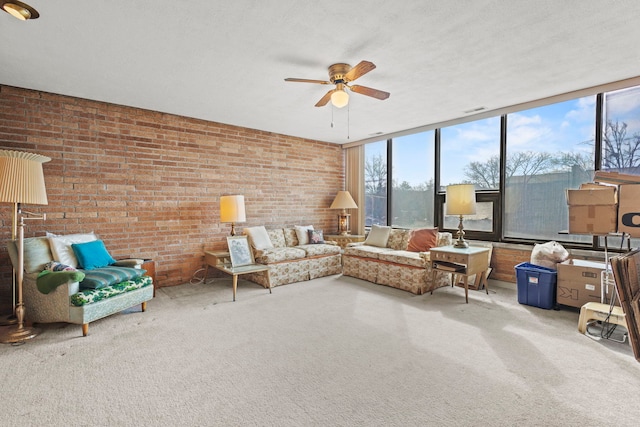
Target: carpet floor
[334,351]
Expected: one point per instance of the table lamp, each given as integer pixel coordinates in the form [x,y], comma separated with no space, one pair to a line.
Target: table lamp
[343,201]
[232,211]
[461,200]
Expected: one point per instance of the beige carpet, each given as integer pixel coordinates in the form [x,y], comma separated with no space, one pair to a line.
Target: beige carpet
[329,352]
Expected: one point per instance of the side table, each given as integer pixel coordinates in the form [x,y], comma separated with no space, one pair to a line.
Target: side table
[343,240]
[461,261]
[221,261]
[150,266]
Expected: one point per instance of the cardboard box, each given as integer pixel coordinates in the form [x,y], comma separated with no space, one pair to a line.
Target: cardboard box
[629,209]
[593,209]
[579,282]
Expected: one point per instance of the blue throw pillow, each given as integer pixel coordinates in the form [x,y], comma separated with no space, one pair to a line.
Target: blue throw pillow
[92,255]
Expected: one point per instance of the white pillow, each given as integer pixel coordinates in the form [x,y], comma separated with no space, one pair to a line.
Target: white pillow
[259,237]
[303,234]
[61,246]
[378,236]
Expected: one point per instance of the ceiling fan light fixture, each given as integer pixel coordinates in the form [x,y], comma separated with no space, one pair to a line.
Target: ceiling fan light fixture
[20,10]
[339,98]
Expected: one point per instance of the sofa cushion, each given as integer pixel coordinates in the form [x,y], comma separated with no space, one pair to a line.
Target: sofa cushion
[320,249]
[272,255]
[258,237]
[398,239]
[92,255]
[403,257]
[422,239]
[378,236]
[36,253]
[107,276]
[276,236]
[302,233]
[365,251]
[89,296]
[61,246]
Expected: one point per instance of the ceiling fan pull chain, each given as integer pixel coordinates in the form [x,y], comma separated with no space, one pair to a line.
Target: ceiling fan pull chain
[332,107]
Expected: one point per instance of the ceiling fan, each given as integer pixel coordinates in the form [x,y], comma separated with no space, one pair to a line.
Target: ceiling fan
[341,75]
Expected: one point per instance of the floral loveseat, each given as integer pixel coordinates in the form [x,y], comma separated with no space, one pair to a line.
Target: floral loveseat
[291,255]
[384,258]
[54,291]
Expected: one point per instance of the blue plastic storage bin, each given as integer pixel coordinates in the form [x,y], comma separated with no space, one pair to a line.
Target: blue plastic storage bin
[536,285]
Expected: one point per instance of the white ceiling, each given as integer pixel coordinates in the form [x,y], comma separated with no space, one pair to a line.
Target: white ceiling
[226,61]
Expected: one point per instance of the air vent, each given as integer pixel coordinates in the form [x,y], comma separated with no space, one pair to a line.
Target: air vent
[475,110]
[376,133]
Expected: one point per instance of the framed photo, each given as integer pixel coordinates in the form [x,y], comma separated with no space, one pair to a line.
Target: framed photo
[239,251]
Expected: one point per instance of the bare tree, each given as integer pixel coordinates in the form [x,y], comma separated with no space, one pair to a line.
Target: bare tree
[527,164]
[375,175]
[620,152]
[484,174]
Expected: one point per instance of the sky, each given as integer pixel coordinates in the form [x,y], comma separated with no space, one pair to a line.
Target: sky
[562,127]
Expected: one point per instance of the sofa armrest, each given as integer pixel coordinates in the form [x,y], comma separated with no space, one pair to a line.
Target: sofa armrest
[129,262]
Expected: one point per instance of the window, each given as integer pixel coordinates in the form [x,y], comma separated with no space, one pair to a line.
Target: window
[549,149]
[470,153]
[412,193]
[375,181]
[621,131]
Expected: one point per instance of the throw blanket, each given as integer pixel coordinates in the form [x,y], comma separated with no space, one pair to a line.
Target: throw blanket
[48,280]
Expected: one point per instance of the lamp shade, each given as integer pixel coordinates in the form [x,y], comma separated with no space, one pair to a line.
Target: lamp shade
[232,209]
[21,178]
[461,199]
[343,200]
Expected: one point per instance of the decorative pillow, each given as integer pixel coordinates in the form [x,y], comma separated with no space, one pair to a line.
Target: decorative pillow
[302,233]
[92,255]
[259,237]
[378,236]
[61,246]
[57,266]
[107,276]
[315,237]
[422,239]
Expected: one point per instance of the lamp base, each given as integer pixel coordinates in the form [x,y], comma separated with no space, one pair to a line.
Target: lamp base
[460,244]
[14,335]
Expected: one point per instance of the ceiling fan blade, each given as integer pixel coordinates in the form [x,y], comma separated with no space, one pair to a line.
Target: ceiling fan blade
[359,70]
[322,82]
[323,101]
[379,94]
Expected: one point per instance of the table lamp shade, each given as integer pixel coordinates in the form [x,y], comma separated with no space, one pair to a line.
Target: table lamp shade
[232,209]
[343,200]
[21,178]
[461,199]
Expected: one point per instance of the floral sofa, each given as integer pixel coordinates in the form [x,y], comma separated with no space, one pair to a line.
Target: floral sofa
[67,294]
[386,261]
[291,256]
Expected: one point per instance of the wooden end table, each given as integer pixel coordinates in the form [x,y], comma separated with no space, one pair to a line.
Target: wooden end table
[461,261]
[221,261]
[344,239]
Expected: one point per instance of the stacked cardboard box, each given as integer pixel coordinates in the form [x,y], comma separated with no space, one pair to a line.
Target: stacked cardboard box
[611,204]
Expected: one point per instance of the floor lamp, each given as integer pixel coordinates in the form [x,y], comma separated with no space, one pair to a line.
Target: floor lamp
[21,181]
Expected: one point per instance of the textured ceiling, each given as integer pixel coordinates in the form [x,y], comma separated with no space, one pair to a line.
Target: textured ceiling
[226,61]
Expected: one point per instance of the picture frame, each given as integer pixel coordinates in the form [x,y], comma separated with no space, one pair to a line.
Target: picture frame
[240,251]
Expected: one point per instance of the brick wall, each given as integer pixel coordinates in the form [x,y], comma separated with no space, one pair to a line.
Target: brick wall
[148,183]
